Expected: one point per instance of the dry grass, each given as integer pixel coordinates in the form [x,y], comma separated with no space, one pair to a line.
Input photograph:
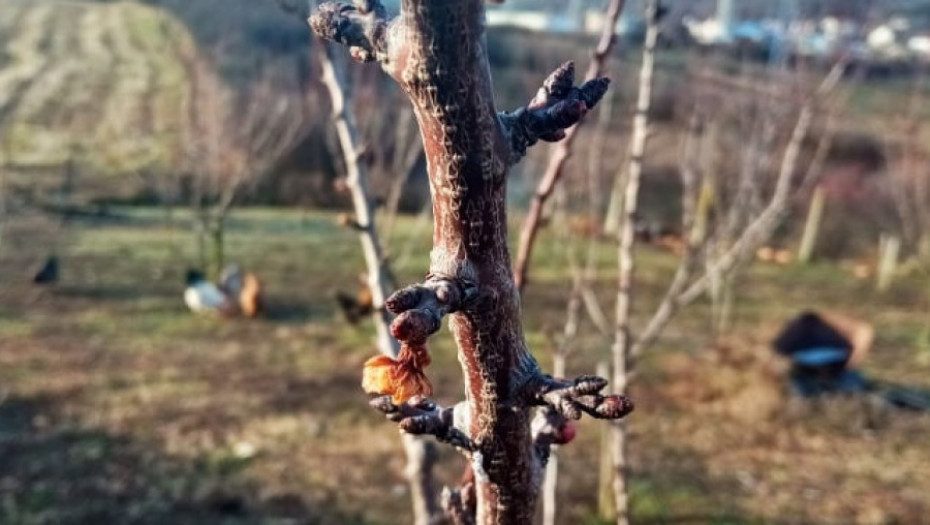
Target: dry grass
[118,406]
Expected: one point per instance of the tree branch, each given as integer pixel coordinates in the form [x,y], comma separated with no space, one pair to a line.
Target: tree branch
[581,395]
[421,416]
[694,240]
[558,105]
[441,63]
[420,454]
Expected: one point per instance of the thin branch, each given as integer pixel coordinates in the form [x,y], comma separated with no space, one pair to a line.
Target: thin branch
[769,219]
[357,183]
[581,395]
[562,151]
[623,361]
[420,454]
[421,416]
[694,241]
[595,310]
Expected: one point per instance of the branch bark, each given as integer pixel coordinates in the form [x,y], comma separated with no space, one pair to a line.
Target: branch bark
[435,51]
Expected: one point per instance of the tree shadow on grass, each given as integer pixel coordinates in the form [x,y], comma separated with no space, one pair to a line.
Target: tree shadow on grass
[56,473]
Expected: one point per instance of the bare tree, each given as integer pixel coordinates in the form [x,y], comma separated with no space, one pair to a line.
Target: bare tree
[420,454]
[436,51]
[623,339]
[746,223]
[759,223]
[582,273]
[236,140]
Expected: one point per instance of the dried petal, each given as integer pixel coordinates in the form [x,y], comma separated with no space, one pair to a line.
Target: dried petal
[378,375]
[402,379]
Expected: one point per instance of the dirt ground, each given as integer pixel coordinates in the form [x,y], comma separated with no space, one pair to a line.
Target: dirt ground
[119,406]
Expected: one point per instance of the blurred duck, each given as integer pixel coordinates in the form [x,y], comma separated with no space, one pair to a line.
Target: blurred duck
[251,302]
[48,273]
[231,280]
[245,290]
[202,296]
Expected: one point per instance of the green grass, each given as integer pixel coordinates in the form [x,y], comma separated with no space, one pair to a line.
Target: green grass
[117,403]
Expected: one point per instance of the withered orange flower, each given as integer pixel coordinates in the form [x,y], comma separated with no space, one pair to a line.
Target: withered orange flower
[402,378]
[376,375]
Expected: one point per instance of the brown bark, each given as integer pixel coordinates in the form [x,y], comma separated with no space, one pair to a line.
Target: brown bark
[435,51]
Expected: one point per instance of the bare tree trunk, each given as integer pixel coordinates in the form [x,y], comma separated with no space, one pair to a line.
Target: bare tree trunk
[623,362]
[217,248]
[812,226]
[606,503]
[421,455]
[888,251]
[561,152]
[436,51]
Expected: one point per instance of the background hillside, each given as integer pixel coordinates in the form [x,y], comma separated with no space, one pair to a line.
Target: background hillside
[99,80]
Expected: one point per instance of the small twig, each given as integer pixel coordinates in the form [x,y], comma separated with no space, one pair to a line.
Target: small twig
[595,311]
[582,395]
[558,105]
[421,416]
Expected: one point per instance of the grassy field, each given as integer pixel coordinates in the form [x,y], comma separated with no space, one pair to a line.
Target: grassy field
[100,82]
[119,406]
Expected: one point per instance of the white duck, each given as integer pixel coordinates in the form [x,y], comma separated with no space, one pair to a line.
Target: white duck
[202,296]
